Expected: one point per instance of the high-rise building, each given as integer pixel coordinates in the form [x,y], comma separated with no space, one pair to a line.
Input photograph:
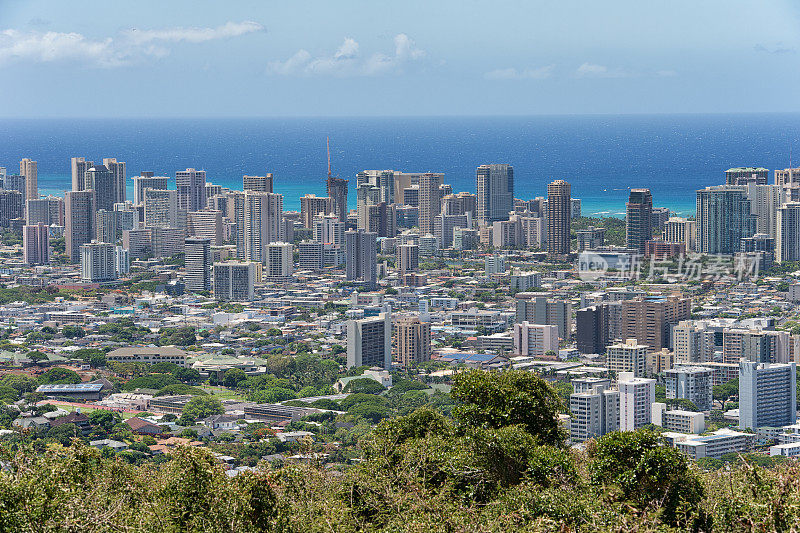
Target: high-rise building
[329,229]
[590,238]
[767,395]
[591,329]
[444,224]
[234,282]
[106,226]
[118,171]
[36,244]
[257,183]
[260,224]
[678,230]
[140,183]
[535,340]
[79,222]
[495,188]
[191,185]
[206,224]
[412,341]
[337,191]
[787,176]
[558,221]
[638,219]
[98,262]
[381,219]
[628,356]
[311,255]
[494,264]
[693,383]
[382,179]
[724,218]
[538,308]
[460,204]
[746,176]
[198,264]
[787,245]
[79,166]
[12,206]
[693,342]
[765,200]
[366,196]
[636,397]
[280,259]
[429,201]
[29,169]
[593,412]
[161,209]
[362,257]
[369,341]
[648,320]
[48,211]
[101,182]
[407,258]
[312,205]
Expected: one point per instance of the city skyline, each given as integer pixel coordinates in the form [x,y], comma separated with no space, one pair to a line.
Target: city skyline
[550,58]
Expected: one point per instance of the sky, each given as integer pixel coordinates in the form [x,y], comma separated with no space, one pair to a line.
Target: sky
[261,58]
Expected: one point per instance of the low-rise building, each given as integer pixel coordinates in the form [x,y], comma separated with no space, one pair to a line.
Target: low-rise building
[717,444]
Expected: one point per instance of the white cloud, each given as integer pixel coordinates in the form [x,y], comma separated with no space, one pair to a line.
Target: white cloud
[193,35]
[45,47]
[525,74]
[347,61]
[591,70]
[666,73]
[55,46]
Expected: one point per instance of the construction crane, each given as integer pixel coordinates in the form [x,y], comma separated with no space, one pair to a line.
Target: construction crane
[328,143]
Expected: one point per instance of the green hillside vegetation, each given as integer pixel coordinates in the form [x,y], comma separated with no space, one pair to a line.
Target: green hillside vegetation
[496,465]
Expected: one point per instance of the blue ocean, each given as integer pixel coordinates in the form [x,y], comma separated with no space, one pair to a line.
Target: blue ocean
[600,155]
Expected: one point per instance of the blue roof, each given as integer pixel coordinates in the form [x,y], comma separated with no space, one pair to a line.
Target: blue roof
[71,387]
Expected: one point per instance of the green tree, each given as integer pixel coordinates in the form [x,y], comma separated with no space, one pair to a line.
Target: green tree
[649,473]
[365,385]
[498,399]
[58,375]
[233,377]
[201,407]
[73,332]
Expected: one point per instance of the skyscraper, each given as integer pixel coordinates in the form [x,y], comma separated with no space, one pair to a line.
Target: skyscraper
[649,319]
[767,395]
[362,259]
[98,262]
[234,282]
[787,247]
[207,224]
[638,219]
[101,182]
[79,222]
[558,218]
[191,185]
[724,218]
[329,229]
[261,224]
[369,341]
[312,205]
[382,179]
[118,178]
[36,244]
[636,397]
[495,187]
[161,209]
[337,191]
[140,183]
[29,169]
[412,341]
[280,258]
[407,257]
[430,203]
[79,166]
[49,210]
[257,183]
[12,206]
[198,264]
[746,176]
